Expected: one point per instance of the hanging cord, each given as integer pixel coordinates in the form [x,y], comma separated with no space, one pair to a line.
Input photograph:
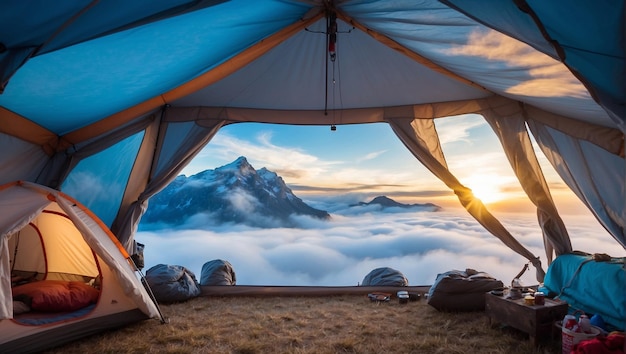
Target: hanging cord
[569,283]
[334,82]
[330,53]
[339,88]
[597,257]
[331,39]
[326,62]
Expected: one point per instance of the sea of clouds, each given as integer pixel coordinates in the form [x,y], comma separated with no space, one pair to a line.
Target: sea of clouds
[340,252]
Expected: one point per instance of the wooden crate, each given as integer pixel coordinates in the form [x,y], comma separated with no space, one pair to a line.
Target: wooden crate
[536,320]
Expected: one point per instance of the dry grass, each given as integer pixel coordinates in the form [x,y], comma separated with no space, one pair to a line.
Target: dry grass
[336,324]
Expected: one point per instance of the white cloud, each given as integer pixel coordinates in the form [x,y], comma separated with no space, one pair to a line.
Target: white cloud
[342,251]
[242,200]
[261,153]
[458,128]
[371,156]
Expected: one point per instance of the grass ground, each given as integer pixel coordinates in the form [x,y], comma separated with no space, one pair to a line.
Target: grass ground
[329,324]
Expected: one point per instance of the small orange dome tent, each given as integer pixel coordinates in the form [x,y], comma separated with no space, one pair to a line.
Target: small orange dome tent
[63,274]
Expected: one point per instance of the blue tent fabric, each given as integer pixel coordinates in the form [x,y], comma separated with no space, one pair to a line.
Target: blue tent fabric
[595,287]
[99,77]
[588,37]
[62,24]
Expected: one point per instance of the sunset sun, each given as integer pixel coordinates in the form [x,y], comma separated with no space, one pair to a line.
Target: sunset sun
[487,188]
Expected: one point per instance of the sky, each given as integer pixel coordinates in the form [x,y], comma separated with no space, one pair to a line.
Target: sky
[369,160]
[332,169]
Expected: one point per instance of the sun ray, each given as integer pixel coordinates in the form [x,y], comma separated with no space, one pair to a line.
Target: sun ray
[487,188]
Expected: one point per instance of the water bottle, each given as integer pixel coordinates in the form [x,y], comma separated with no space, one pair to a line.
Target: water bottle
[569,321]
[584,324]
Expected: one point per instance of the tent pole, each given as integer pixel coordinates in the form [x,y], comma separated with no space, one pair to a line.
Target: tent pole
[149,290]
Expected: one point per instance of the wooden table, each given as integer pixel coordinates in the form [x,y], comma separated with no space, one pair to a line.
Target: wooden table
[536,320]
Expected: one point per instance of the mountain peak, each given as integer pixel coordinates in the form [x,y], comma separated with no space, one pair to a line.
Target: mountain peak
[386,202]
[240,165]
[233,193]
[241,160]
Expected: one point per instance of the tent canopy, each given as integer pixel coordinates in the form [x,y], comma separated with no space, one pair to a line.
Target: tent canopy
[83,82]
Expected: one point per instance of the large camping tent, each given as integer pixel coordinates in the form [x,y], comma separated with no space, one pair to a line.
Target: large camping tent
[85,82]
[66,270]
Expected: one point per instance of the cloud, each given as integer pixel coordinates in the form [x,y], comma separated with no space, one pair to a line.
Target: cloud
[289,162]
[242,201]
[199,183]
[371,156]
[261,152]
[342,251]
[458,128]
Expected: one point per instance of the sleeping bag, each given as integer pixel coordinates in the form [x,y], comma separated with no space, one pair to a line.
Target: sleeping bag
[461,291]
[172,283]
[595,285]
[385,276]
[217,272]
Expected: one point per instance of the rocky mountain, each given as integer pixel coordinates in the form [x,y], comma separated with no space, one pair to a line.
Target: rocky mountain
[234,193]
[386,202]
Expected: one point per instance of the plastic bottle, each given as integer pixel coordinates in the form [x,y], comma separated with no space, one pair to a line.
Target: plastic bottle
[584,324]
[569,321]
[597,321]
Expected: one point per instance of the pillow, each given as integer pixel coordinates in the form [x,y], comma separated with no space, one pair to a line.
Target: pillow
[57,295]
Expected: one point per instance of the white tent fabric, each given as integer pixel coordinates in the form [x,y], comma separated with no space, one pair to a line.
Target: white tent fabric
[421,139]
[517,146]
[156,81]
[595,175]
[15,207]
